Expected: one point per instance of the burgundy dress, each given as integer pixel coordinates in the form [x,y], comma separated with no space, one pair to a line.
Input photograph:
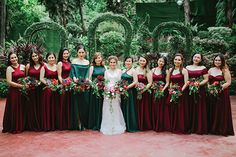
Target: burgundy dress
[14,115]
[197,106]
[179,111]
[219,110]
[63,112]
[144,108]
[34,103]
[160,111]
[49,102]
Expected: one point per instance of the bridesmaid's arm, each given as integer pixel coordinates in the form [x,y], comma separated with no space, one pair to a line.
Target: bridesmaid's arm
[185,73]
[227,77]
[42,74]
[27,69]
[135,79]
[9,78]
[59,71]
[91,72]
[167,80]
[149,78]
[204,81]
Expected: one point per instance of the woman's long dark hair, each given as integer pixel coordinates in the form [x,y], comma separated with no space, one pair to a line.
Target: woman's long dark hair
[223,63]
[31,62]
[181,67]
[9,56]
[201,63]
[128,57]
[50,53]
[163,70]
[60,55]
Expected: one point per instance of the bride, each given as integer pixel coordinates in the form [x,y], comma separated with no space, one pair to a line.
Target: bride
[112,117]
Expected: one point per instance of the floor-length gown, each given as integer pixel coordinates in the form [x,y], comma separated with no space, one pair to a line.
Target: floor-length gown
[112,118]
[197,106]
[219,111]
[179,118]
[34,102]
[49,103]
[95,107]
[128,106]
[79,101]
[14,115]
[144,107]
[63,112]
[160,111]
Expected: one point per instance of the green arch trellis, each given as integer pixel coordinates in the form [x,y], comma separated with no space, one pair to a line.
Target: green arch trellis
[31,30]
[109,17]
[175,26]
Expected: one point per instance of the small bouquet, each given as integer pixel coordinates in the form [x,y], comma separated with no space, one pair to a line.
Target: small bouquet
[194,84]
[216,88]
[98,85]
[31,82]
[122,87]
[52,84]
[175,93]
[80,85]
[157,87]
[140,87]
[66,85]
[110,93]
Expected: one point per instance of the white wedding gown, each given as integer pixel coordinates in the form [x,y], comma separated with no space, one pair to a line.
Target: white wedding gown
[112,118]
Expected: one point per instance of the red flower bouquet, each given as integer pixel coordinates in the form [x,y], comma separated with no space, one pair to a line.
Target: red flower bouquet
[80,85]
[157,87]
[98,85]
[216,88]
[140,87]
[175,92]
[31,82]
[66,85]
[52,84]
[194,84]
[122,87]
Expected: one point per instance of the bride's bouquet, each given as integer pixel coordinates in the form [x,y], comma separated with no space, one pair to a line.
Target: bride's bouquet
[110,93]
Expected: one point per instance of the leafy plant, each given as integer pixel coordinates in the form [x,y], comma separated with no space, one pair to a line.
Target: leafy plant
[3,88]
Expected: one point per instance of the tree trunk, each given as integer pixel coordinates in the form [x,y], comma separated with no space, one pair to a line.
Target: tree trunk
[229,13]
[2,22]
[187,11]
[82,16]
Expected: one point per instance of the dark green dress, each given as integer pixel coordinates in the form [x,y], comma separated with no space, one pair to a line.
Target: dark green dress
[95,103]
[128,106]
[80,101]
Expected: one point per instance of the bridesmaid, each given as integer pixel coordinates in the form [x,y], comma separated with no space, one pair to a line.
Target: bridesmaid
[63,70]
[49,97]
[144,105]
[80,102]
[34,103]
[220,116]
[14,115]
[179,111]
[197,102]
[160,111]
[96,71]
[128,105]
